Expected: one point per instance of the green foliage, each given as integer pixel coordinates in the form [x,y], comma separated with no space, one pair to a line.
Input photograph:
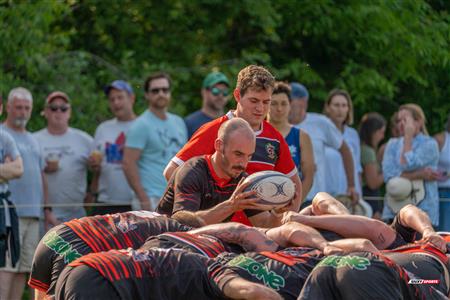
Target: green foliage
[384,53]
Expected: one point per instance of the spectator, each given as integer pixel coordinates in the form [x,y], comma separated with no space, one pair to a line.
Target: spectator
[253,95]
[322,133]
[65,151]
[28,193]
[412,156]
[371,132]
[11,167]
[339,108]
[151,141]
[215,91]
[394,130]
[298,141]
[109,184]
[443,140]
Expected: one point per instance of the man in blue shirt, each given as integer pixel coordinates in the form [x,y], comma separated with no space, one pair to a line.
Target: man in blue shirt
[153,139]
[215,91]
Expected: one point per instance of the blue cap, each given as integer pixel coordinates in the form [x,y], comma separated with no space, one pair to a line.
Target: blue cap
[298,91]
[119,85]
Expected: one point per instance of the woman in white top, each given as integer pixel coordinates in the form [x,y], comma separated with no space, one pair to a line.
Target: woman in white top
[443,140]
[339,108]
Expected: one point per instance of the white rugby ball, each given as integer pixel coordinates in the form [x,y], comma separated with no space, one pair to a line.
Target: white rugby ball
[273,188]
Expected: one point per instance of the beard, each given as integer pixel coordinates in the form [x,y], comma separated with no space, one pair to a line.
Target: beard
[20,122]
[228,168]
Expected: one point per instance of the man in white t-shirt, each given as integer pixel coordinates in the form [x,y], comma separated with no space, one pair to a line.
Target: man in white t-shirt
[65,151]
[323,133]
[110,185]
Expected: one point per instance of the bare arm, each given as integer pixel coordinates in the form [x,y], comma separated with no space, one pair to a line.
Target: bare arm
[307,163]
[349,226]
[354,245]
[240,288]
[11,169]
[423,173]
[250,238]
[349,170]
[170,168]
[130,168]
[415,218]
[49,217]
[296,234]
[325,204]
[372,176]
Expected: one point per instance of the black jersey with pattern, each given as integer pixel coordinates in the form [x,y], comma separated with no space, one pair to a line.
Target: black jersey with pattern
[284,271]
[203,244]
[195,186]
[153,274]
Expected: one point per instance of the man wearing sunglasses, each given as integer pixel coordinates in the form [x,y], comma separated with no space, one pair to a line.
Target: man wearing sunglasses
[153,139]
[65,151]
[215,92]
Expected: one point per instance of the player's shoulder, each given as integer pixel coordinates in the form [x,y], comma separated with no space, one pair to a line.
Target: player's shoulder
[269,131]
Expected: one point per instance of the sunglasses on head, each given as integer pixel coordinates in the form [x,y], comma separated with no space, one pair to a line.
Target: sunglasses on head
[62,108]
[156,91]
[216,91]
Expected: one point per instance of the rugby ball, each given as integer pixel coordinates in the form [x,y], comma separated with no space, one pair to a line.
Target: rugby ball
[273,188]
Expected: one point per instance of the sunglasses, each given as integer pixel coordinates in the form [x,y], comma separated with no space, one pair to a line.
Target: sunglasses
[156,91]
[55,108]
[216,91]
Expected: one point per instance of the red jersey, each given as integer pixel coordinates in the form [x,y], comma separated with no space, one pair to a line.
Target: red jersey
[271,153]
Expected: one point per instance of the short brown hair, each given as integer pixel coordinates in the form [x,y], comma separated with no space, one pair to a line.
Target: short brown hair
[346,95]
[254,77]
[282,87]
[154,76]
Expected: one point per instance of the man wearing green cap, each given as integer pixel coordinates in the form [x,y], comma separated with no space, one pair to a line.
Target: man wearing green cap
[215,91]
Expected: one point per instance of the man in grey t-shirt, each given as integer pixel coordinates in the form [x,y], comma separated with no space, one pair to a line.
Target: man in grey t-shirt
[65,151]
[11,167]
[27,193]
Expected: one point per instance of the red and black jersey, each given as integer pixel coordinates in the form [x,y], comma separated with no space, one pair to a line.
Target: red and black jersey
[195,186]
[71,240]
[203,244]
[151,274]
[364,275]
[425,262]
[271,153]
[122,230]
[284,271]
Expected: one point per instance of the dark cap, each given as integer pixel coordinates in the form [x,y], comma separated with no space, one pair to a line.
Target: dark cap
[119,85]
[214,78]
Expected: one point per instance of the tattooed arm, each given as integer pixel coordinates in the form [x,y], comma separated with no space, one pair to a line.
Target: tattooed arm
[250,238]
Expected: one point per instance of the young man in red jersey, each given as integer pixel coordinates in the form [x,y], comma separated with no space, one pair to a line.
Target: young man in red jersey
[253,94]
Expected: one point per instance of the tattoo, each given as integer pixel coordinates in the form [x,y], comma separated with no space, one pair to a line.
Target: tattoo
[381,238]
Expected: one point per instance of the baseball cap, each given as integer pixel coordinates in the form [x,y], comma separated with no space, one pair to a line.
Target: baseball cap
[215,78]
[57,94]
[298,91]
[119,85]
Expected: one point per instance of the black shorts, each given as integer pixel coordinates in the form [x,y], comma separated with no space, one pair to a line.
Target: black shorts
[362,276]
[57,248]
[83,282]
